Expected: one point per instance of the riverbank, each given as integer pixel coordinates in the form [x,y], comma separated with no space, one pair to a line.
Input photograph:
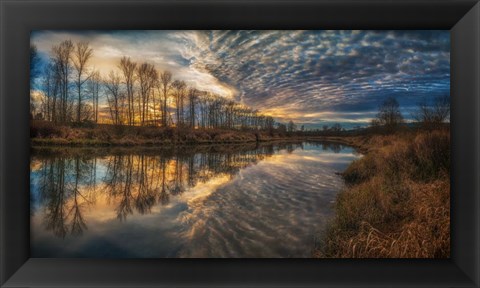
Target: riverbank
[185,150]
[396,203]
[43,133]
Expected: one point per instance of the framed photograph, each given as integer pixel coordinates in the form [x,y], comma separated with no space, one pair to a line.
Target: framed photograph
[219,143]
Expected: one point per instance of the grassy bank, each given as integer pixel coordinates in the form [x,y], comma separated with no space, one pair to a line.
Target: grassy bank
[397,200]
[44,133]
[184,150]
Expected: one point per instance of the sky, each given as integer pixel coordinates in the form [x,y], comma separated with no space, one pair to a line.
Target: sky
[314,78]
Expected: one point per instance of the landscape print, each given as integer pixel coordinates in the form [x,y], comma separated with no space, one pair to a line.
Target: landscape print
[240,144]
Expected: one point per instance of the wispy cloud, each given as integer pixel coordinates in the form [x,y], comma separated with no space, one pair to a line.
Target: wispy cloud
[309,76]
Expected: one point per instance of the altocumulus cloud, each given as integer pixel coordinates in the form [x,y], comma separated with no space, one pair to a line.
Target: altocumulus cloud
[311,77]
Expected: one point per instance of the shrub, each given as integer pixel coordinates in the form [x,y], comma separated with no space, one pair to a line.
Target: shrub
[396,162]
[83,124]
[425,235]
[432,155]
[397,201]
[45,129]
[360,170]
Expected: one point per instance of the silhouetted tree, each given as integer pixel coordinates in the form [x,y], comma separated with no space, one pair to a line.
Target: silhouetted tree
[94,90]
[434,113]
[50,87]
[135,96]
[291,127]
[179,94]
[62,55]
[128,69]
[389,114]
[82,54]
[336,127]
[147,79]
[112,83]
[192,100]
[282,128]
[165,81]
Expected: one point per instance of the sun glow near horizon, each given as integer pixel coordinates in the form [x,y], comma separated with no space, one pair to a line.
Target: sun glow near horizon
[310,77]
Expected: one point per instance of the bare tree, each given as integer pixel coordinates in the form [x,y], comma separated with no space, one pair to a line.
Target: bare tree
[165,81]
[128,69]
[336,128]
[94,89]
[147,77]
[389,113]
[179,87]
[62,55]
[48,84]
[291,127]
[282,128]
[112,83]
[51,86]
[432,114]
[374,123]
[82,54]
[423,113]
[135,94]
[269,123]
[192,100]
[441,109]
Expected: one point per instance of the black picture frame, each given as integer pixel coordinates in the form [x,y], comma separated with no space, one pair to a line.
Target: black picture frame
[19,17]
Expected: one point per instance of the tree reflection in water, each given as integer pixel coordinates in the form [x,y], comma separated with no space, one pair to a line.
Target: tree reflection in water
[65,190]
[133,180]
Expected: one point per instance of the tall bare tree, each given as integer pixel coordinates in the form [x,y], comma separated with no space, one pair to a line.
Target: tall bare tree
[48,86]
[192,100]
[131,97]
[112,83]
[179,94]
[82,54]
[128,69]
[147,78]
[62,55]
[94,89]
[165,81]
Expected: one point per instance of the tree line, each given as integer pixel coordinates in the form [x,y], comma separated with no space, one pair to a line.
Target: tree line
[136,94]
[389,118]
[426,114]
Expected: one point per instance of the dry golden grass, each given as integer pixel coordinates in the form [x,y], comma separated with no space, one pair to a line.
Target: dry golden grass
[47,133]
[397,202]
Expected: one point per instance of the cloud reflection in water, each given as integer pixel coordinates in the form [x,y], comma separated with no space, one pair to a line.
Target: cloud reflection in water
[266,201]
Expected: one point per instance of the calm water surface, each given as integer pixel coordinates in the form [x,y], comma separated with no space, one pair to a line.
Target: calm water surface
[213,201]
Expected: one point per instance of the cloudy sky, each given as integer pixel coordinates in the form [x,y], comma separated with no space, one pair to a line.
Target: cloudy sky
[310,77]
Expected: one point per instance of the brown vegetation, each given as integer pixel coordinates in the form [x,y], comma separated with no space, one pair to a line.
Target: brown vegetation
[397,200]
[48,133]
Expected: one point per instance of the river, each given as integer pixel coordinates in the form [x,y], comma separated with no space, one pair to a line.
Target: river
[269,200]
